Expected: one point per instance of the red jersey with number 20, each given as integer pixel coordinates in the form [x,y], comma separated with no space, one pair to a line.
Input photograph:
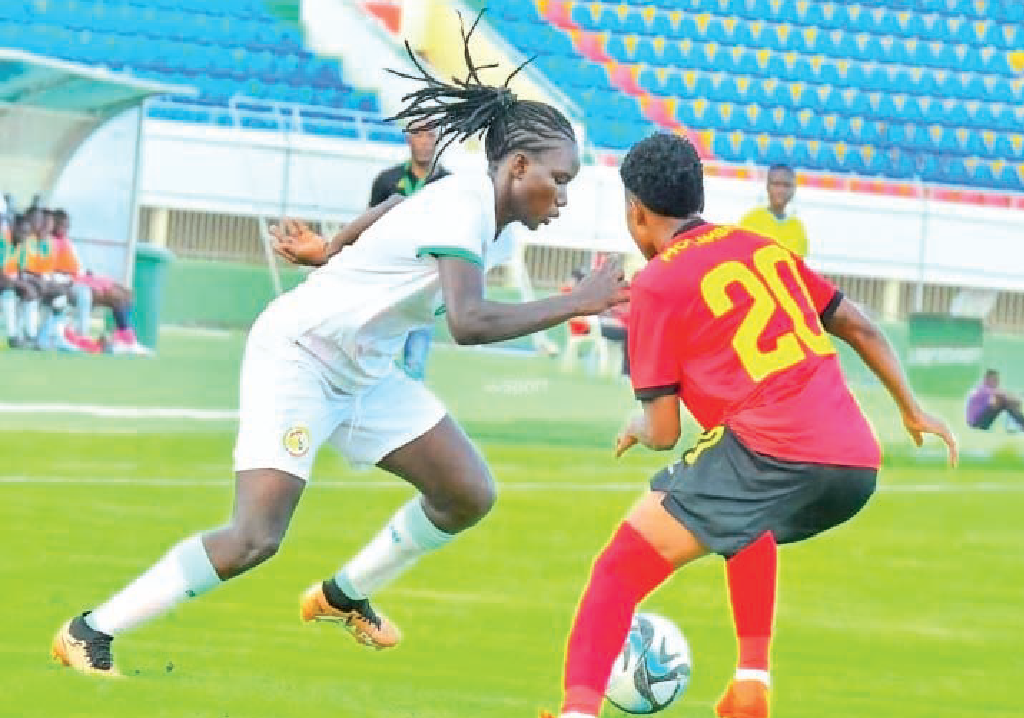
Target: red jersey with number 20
[731,322]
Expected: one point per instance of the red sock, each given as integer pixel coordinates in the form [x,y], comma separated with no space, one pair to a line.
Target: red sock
[627,570]
[751,575]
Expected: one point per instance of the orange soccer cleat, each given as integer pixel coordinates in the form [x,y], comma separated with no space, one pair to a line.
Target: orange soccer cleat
[744,699]
[78,646]
[366,625]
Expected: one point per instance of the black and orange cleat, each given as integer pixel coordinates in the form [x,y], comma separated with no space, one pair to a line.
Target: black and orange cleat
[366,625]
[85,649]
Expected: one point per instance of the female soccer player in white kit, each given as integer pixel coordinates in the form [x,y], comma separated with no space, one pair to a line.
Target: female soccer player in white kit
[319,368]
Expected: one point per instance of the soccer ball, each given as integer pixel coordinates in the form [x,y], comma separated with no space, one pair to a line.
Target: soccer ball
[653,669]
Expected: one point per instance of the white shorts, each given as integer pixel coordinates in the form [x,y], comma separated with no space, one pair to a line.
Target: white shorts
[288,408]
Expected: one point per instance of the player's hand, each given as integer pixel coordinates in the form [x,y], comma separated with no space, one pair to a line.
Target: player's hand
[629,436]
[603,288]
[298,243]
[919,422]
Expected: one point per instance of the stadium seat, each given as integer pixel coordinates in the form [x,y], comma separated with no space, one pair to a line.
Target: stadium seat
[646,52]
[582,17]
[609,21]
[635,23]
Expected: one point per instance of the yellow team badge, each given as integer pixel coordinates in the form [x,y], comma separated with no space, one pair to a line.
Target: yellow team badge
[296,441]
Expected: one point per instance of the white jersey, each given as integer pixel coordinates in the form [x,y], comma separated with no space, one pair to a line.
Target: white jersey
[354,313]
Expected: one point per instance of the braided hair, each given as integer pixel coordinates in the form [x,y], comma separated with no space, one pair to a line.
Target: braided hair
[469,107]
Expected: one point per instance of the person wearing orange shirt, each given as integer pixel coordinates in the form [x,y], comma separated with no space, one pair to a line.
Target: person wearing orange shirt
[88,289]
[54,291]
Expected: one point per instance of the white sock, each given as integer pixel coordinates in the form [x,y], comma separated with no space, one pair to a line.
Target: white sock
[754,674]
[10,309]
[184,572]
[577,714]
[30,319]
[407,536]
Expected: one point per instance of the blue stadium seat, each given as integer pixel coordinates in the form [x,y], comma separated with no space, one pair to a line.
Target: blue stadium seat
[984,118]
[711,30]
[810,14]
[810,125]
[877,164]
[1009,179]
[856,76]
[799,156]
[672,55]
[802,70]
[649,81]
[646,53]
[633,23]
[616,49]
[582,16]
[790,126]
[829,74]
[741,35]
[840,17]
[723,61]
[747,64]
[609,21]
[775,153]
[662,26]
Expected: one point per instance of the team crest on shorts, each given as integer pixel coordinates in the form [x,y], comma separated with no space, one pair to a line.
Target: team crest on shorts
[296,441]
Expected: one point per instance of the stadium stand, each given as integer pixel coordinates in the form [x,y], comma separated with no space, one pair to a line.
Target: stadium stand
[869,88]
[249,67]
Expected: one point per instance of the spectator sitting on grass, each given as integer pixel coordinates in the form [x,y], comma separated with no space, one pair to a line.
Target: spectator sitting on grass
[987,401]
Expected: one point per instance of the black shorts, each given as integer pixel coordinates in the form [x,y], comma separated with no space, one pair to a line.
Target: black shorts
[727,495]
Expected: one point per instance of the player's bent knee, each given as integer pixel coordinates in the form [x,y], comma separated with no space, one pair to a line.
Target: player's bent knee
[255,549]
[467,504]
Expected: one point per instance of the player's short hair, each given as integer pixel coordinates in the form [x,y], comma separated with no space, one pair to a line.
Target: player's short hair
[665,173]
[578,274]
[59,214]
[469,107]
[780,167]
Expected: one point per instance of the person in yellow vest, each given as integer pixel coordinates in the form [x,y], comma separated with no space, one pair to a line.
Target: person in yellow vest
[772,221]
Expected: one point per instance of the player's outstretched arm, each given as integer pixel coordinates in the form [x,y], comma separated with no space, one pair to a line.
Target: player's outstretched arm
[472,319]
[297,243]
[855,328]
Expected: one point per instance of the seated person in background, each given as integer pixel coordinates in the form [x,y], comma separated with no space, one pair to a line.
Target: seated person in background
[19,298]
[987,401]
[88,289]
[54,292]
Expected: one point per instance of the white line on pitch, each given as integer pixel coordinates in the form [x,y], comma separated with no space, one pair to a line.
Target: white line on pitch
[119,412]
[947,488]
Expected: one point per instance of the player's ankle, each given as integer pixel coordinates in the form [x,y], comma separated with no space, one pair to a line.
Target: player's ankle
[336,597]
[754,674]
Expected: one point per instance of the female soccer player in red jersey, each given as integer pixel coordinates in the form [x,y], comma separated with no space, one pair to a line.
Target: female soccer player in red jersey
[736,327]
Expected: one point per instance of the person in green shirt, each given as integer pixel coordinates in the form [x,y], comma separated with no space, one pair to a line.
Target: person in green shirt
[772,221]
[406,178]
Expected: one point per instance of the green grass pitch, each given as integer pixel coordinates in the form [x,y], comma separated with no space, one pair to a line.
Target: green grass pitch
[914,610]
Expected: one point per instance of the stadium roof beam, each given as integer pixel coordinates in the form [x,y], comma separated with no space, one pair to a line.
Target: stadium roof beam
[48,107]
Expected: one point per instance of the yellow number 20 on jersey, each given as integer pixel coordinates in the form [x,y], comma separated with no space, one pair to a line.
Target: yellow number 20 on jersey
[767,292]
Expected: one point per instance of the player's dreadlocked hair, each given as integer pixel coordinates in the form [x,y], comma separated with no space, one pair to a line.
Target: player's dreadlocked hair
[469,107]
[665,173]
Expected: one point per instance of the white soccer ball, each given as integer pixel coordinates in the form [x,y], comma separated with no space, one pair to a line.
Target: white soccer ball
[653,669]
